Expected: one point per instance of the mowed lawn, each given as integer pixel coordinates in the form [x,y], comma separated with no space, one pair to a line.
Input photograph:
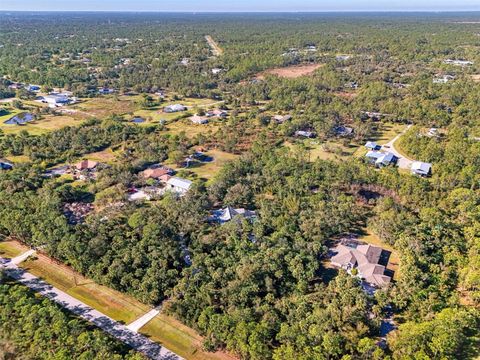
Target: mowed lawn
[110,302]
[180,339]
[43,125]
[207,170]
[11,249]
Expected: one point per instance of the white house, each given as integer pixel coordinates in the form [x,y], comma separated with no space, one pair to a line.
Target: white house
[216,71]
[372,145]
[222,216]
[307,134]
[458,62]
[381,159]
[196,119]
[178,185]
[421,168]
[56,100]
[174,108]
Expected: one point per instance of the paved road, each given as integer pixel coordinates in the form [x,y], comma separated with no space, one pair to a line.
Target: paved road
[138,342]
[142,321]
[403,162]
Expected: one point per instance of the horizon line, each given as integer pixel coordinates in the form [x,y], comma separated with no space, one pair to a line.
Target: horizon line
[244,12]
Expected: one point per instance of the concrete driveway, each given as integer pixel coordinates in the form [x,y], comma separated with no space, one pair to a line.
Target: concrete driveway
[403,162]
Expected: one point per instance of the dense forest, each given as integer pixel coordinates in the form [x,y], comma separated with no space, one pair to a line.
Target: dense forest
[35,328]
[259,289]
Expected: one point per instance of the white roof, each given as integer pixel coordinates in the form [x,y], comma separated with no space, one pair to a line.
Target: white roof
[179,183]
[421,167]
[371,144]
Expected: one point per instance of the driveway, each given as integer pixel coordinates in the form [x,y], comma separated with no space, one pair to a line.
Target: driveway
[119,331]
[403,162]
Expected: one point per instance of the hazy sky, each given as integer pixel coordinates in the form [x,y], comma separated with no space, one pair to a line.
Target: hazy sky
[241,5]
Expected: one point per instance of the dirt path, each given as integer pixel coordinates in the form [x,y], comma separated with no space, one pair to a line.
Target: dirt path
[216,50]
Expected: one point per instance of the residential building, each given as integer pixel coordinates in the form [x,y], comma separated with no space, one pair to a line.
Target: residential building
[227,214]
[5,166]
[343,130]
[307,134]
[280,119]
[156,173]
[174,108]
[365,259]
[86,165]
[217,113]
[381,159]
[178,185]
[421,168]
[372,145]
[196,119]
[56,100]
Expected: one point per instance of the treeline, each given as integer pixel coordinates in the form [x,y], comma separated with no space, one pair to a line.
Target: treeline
[33,327]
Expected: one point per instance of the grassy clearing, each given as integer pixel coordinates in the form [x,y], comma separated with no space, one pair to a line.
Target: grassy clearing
[107,156]
[394,262]
[207,170]
[180,339]
[110,302]
[190,129]
[329,150]
[11,249]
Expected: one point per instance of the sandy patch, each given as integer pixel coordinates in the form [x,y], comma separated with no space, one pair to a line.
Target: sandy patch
[290,72]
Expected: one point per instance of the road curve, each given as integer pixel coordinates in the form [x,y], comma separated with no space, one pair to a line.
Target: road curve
[403,162]
[119,331]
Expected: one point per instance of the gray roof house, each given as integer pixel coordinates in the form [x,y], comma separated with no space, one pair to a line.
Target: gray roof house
[372,145]
[229,213]
[381,159]
[364,258]
[178,185]
[421,168]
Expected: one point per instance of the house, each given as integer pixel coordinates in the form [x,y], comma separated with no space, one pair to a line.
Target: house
[343,130]
[33,88]
[138,120]
[156,173]
[381,159]
[216,71]
[217,113]
[174,108]
[443,79]
[307,134]
[280,119]
[351,85]
[5,166]
[178,185]
[196,119]
[86,165]
[56,100]
[458,62]
[364,258]
[433,132]
[222,216]
[421,168]
[342,57]
[105,91]
[372,145]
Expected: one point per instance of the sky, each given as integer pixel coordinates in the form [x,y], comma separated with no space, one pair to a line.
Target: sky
[240,5]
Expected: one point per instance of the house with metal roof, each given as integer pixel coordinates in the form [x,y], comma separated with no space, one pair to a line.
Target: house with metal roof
[372,145]
[227,214]
[381,159]
[178,185]
[421,168]
[174,108]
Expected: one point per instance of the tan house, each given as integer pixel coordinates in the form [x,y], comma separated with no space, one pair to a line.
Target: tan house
[86,165]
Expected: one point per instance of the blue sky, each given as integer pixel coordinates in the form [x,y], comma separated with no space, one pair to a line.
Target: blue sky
[239,5]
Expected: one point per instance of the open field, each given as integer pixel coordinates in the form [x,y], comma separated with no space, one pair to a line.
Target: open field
[190,129]
[11,249]
[180,339]
[290,72]
[329,150]
[104,156]
[207,170]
